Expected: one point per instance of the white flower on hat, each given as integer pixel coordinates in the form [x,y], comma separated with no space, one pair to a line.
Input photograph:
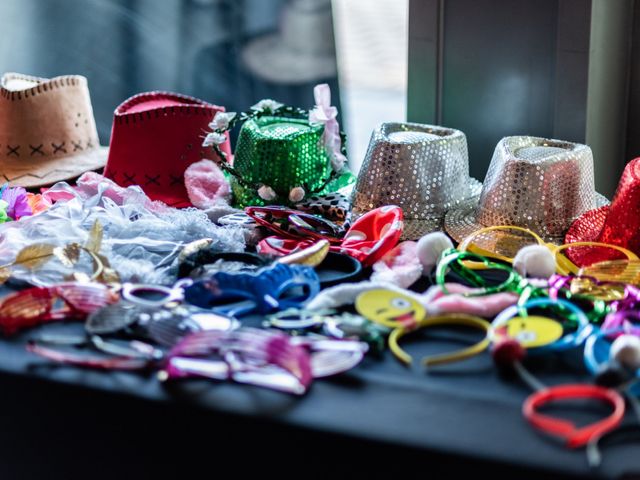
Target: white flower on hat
[338,161]
[296,194]
[214,138]
[222,120]
[267,105]
[266,193]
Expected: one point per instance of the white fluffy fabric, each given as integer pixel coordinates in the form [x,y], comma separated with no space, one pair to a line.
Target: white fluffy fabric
[142,240]
[216,212]
[402,277]
[430,247]
[400,266]
[535,261]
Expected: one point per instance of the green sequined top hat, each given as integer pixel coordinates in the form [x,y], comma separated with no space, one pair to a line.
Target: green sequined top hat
[283,154]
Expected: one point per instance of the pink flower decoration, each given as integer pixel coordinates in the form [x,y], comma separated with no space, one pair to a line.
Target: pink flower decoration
[18,205]
[206,184]
[37,202]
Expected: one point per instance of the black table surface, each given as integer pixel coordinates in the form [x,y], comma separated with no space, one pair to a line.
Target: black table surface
[381,417]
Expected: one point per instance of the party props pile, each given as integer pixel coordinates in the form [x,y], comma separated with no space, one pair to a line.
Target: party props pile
[544,313]
[193,260]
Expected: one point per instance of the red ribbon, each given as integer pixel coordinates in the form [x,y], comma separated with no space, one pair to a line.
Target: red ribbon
[368,240]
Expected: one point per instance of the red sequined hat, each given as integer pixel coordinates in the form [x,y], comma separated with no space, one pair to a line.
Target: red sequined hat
[615,224]
[155,137]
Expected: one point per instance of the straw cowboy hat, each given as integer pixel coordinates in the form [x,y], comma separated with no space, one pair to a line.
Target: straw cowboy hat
[47,130]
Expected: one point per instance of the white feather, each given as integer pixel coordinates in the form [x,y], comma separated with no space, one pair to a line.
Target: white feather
[429,249]
[535,261]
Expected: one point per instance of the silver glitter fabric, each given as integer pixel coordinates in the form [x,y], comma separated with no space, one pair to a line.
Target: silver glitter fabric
[423,169]
[532,182]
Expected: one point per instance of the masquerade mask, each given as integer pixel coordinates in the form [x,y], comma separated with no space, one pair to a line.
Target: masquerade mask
[66,301]
[295,223]
[270,288]
[257,357]
[368,239]
[134,355]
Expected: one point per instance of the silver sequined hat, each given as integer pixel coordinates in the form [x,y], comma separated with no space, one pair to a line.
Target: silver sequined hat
[532,182]
[423,169]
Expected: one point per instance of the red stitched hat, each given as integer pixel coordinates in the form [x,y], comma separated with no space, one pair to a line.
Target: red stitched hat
[155,137]
[615,224]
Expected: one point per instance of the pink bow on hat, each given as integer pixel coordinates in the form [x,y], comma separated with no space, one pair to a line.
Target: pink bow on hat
[326,114]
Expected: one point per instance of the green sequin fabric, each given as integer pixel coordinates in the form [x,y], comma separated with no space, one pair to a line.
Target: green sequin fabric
[282,153]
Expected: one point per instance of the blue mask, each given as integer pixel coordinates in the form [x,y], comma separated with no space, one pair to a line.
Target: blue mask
[274,287]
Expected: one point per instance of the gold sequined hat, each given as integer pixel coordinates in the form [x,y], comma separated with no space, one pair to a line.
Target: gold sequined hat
[47,130]
[532,182]
[424,169]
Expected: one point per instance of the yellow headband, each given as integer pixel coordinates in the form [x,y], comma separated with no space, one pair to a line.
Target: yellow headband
[450,319]
[564,266]
[625,271]
[467,244]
